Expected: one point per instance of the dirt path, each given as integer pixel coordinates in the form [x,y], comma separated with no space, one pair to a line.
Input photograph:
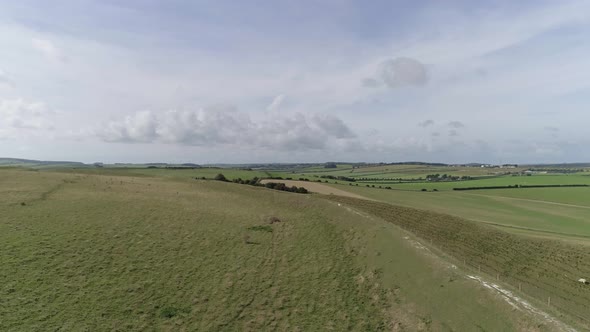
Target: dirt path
[316,187]
[522,305]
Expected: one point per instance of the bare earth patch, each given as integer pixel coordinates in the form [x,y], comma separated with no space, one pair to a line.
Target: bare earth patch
[315,187]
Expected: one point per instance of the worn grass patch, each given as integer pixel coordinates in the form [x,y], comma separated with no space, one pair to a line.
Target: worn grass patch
[261,228]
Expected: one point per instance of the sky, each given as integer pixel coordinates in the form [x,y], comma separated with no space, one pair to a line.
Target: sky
[295,81]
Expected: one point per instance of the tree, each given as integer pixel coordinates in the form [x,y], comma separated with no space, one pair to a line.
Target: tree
[302,190]
[330,165]
[220,177]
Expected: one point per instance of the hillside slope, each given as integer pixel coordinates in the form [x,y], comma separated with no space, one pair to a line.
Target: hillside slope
[94,252]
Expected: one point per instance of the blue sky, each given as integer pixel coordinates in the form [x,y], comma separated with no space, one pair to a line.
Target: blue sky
[286,81]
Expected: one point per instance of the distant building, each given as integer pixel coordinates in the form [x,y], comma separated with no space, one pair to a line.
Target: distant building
[509,166]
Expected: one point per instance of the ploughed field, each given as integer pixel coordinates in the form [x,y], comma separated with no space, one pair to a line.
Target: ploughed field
[118,251]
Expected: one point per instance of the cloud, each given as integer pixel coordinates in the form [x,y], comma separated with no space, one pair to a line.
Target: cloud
[48,49]
[22,114]
[551,129]
[456,124]
[426,123]
[370,83]
[5,79]
[402,72]
[276,103]
[435,134]
[224,125]
[333,126]
[139,127]
[398,72]
[453,133]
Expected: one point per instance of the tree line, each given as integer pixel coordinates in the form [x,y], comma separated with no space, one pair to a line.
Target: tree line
[255,181]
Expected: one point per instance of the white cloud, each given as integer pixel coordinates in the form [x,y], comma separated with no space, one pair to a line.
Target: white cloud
[48,48]
[276,103]
[140,127]
[5,79]
[399,72]
[224,125]
[426,123]
[370,83]
[456,124]
[22,114]
[531,58]
[333,126]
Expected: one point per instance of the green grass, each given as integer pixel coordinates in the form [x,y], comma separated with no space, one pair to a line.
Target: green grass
[481,206]
[484,182]
[574,196]
[541,268]
[105,252]
[209,173]
[516,208]
[400,171]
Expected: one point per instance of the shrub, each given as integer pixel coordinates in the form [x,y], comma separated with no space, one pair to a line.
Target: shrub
[220,177]
[273,219]
[302,190]
[424,189]
[169,312]
[246,238]
[261,228]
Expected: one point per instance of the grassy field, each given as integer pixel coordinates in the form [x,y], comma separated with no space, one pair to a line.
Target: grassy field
[86,251]
[398,171]
[544,211]
[532,210]
[571,196]
[184,174]
[496,181]
[482,182]
[547,270]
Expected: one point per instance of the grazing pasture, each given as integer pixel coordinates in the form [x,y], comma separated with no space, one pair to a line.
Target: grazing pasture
[91,251]
[546,270]
[543,212]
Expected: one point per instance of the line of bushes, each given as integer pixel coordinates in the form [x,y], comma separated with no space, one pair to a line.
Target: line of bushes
[524,186]
[339,177]
[255,181]
[283,187]
[287,178]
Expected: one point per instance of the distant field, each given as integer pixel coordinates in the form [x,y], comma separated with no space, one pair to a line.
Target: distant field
[401,171]
[532,213]
[383,176]
[86,251]
[570,196]
[210,173]
[497,181]
[515,209]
